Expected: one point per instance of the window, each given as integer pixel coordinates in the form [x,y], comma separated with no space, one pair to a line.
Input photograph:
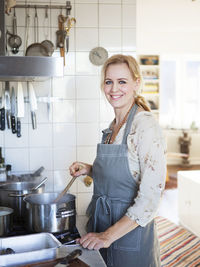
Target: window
[180,91]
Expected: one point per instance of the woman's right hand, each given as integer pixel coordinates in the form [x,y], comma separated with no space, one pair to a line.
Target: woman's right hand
[80,168]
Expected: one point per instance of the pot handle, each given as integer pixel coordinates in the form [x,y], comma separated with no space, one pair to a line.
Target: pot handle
[64,212]
[17,195]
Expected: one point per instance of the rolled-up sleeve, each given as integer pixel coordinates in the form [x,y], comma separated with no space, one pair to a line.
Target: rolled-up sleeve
[149,144]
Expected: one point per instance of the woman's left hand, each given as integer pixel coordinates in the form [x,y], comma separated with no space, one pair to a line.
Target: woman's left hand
[94,241]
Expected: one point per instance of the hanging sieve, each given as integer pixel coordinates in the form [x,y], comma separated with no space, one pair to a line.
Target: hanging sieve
[14,41]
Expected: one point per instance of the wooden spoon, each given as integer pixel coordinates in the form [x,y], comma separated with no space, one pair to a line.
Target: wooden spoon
[65,189]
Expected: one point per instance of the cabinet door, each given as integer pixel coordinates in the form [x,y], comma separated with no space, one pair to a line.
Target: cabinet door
[194,218]
[184,200]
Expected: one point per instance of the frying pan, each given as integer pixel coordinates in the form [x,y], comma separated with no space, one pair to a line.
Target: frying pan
[36,49]
[47,43]
[49,46]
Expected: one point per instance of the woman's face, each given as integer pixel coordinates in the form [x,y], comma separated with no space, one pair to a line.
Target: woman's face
[119,86]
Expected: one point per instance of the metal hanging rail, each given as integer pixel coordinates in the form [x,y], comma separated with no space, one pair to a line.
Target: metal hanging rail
[41,6]
[68,6]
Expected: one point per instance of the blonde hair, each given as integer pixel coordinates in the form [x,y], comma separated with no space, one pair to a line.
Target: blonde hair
[134,70]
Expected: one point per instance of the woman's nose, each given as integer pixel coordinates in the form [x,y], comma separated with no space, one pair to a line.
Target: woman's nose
[114,87]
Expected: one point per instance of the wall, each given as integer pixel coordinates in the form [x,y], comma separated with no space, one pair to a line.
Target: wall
[170,27]
[78,110]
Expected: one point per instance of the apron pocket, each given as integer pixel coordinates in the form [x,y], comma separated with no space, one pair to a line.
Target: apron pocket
[130,242]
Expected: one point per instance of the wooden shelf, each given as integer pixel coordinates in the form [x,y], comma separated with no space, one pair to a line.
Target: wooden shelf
[150,68]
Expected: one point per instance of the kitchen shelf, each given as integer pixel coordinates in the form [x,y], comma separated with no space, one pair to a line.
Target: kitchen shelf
[152,80]
[146,93]
[149,65]
[28,68]
[150,69]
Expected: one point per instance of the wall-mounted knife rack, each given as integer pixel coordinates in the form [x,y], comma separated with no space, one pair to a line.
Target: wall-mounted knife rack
[42,99]
[68,7]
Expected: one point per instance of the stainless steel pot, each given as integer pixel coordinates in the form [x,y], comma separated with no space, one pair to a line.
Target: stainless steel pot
[6,220]
[11,195]
[43,215]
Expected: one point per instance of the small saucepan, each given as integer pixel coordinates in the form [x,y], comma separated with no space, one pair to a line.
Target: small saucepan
[6,220]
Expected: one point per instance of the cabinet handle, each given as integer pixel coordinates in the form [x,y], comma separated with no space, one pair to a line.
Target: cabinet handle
[188,202]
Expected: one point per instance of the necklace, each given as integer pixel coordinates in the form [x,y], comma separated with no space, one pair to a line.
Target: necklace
[111,136]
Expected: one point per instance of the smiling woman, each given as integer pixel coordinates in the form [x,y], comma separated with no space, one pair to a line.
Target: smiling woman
[128,173]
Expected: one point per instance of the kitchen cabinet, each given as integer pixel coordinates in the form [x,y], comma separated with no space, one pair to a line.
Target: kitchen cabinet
[189,199]
[150,69]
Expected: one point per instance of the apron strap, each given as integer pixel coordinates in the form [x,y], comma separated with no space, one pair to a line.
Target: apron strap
[129,123]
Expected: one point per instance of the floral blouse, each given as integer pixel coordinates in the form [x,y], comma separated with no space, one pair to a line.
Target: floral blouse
[147,163]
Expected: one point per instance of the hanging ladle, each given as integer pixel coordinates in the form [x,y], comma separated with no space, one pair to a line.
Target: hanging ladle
[65,189]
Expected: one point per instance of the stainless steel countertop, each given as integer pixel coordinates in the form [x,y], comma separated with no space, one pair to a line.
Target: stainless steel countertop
[92,257]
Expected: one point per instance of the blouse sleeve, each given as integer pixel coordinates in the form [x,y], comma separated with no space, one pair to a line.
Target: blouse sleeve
[147,139]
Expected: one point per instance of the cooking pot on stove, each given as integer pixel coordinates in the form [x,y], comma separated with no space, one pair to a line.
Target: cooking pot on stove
[6,220]
[43,215]
[11,195]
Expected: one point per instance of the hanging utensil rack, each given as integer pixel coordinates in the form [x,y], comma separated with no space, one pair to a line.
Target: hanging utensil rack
[68,7]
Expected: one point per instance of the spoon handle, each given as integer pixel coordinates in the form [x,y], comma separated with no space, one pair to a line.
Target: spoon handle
[65,189]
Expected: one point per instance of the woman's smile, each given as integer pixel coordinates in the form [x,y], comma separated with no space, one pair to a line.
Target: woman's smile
[116,97]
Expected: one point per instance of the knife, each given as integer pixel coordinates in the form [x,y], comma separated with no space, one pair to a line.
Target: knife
[13,110]
[20,107]
[67,42]
[33,104]
[65,260]
[7,103]
[2,109]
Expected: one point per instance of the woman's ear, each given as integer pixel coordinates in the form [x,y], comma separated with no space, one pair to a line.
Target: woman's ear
[137,86]
[137,82]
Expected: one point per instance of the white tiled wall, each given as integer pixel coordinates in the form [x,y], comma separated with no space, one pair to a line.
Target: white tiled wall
[79,111]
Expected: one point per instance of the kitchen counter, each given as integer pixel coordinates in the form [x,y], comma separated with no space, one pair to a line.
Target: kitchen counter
[91,257]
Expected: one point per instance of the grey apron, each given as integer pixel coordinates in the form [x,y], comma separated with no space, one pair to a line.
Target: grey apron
[114,191]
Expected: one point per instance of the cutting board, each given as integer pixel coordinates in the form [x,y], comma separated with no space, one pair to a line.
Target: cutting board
[78,263]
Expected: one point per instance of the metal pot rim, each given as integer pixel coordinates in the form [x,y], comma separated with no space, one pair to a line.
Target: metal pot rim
[20,186]
[9,210]
[34,197]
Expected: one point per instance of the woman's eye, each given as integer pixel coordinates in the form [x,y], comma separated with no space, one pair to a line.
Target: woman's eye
[122,82]
[108,82]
